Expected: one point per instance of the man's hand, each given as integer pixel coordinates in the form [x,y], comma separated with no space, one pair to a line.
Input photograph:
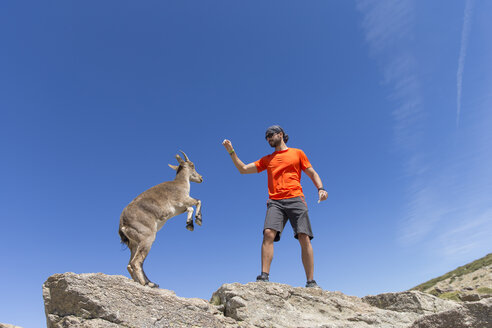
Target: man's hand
[228,145]
[323,195]
[241,167]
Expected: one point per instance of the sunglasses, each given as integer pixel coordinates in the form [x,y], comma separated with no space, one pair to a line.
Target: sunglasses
[271,134]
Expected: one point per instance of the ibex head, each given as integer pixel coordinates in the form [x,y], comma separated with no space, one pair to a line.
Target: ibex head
[188,166]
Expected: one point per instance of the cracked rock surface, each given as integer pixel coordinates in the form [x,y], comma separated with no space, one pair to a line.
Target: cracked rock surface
[278,305]
[98,300]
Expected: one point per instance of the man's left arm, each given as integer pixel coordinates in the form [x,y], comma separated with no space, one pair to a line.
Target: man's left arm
[322,193]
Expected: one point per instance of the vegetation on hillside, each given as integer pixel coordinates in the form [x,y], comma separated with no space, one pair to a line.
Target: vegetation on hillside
[462,270]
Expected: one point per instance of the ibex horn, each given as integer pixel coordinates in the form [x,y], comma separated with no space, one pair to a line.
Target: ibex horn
[186,157]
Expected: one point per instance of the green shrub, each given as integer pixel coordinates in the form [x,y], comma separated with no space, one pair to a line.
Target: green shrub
[452,296]
[434,292]
[484,290]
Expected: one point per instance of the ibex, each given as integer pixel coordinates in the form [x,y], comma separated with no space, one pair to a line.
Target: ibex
[146,214]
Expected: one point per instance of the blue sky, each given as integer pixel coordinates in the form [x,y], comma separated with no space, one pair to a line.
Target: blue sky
[389,100]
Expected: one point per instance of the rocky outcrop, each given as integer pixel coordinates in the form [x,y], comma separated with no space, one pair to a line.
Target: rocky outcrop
[277,305]
[415,302]
[468,283]
[6,325]
[468,315]
[98,300]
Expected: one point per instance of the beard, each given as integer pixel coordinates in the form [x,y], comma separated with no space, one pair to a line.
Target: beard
[275,142]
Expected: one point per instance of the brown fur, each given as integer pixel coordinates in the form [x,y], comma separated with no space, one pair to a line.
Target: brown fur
[147,213]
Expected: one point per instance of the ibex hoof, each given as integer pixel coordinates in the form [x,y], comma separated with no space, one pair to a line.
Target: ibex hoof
[190,226]
[152,285]
[198,221]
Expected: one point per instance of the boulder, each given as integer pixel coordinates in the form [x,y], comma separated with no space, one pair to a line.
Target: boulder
[468,315]
[278,305]
[470,297]
[412,301]
[98,300]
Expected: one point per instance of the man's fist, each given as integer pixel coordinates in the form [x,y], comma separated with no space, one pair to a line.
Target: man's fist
[228,145]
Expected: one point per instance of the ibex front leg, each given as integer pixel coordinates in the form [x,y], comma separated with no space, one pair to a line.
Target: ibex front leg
[189,219]
[198,217]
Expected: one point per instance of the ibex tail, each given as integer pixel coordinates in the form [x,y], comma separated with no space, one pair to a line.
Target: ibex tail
[124,238]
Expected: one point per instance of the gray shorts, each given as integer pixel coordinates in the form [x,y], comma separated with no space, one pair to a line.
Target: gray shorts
[293,209]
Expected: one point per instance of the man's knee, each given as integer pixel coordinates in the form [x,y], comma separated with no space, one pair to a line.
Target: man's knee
[304,239]
[269,235]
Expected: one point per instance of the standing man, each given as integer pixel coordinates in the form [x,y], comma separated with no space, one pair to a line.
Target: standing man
[286,199]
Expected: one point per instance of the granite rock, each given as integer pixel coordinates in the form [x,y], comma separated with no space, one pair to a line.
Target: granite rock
[98,300]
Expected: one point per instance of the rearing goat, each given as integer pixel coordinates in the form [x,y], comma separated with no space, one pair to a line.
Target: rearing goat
[146,214]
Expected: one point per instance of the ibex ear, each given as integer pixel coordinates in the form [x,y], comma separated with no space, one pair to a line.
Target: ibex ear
[174,167]
[180,160]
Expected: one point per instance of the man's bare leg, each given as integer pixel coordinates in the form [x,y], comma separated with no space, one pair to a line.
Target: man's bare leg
[267,249]
[307,255]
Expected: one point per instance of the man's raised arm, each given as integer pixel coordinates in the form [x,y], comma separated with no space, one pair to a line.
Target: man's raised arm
[241,167]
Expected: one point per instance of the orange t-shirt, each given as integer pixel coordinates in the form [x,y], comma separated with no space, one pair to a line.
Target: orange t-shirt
[284,172]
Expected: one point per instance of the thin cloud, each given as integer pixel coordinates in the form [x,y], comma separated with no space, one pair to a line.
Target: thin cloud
[388,27]
[461,61]
[423,214]
[462,239]
[385,22]
[433,214]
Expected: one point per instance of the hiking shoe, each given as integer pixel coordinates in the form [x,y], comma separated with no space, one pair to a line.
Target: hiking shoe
[262,277]
[312,284]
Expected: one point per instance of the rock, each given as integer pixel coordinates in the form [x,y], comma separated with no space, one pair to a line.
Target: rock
[413,301]
[468,315]
[98,300]
[278,305]
[470,297]
[5,325]
[472,278]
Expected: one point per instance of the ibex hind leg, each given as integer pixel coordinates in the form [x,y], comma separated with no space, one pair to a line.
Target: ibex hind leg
[132,246]
[148,282]
[136,263]
[129,267]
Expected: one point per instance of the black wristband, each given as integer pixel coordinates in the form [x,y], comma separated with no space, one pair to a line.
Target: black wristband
[321,189]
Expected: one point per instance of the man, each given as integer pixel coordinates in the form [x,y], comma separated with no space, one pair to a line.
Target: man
[286,199]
